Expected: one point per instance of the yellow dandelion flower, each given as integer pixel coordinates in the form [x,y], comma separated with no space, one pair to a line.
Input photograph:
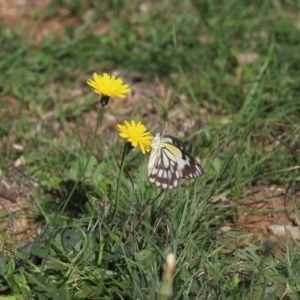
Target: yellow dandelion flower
[108,85]
[136,134]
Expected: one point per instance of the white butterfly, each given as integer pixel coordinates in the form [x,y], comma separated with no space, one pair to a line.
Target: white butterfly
[169,162]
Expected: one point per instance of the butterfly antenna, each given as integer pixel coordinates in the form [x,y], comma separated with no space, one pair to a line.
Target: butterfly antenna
[162,122]
[163,126]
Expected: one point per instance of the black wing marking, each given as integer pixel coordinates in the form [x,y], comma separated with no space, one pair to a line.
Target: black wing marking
[165,172]
[173,141]
[191,168]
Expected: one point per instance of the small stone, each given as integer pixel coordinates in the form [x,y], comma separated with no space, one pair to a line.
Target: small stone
[225,229]
[282,230]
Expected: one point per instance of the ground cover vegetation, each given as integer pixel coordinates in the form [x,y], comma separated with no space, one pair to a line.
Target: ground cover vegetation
[79,217]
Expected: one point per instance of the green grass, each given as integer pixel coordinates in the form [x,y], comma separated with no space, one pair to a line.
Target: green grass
[249,136]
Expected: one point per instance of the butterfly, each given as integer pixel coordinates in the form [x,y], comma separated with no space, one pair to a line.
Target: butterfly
[169,162]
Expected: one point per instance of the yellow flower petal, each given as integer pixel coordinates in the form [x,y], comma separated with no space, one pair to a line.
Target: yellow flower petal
[108,85]
[136,134]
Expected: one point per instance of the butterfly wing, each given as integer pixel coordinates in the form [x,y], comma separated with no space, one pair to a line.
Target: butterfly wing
[190,168]
[173,141]
[163,170]
[169,162]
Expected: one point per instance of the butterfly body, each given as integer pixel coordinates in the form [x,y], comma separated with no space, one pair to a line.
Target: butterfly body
[169,162]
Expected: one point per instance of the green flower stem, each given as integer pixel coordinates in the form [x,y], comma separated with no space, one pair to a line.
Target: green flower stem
[101,250]
[79,256]
[166,289]
[62,209]
[127,148]
[65,203]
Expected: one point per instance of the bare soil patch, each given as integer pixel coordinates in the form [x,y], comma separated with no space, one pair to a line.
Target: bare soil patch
[265,208]
[30,15]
